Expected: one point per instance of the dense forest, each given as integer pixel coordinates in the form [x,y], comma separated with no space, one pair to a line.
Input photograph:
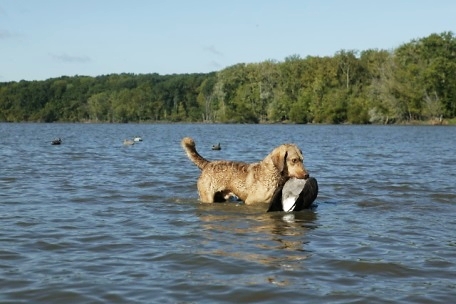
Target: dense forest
[414,82]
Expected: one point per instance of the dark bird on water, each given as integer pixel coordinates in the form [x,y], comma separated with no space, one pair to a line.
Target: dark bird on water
[56,141]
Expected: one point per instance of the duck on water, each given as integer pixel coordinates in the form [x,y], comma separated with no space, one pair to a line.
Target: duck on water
[56,141]
[128,142]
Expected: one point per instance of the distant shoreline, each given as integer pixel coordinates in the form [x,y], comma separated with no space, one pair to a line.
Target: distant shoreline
[444,122]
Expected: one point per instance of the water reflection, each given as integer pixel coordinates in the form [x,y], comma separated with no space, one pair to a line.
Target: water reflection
[249,234]
[287,223]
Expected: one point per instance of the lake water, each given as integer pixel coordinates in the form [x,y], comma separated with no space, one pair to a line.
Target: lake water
[93,221]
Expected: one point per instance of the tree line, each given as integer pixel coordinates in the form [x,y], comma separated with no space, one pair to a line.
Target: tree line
[413,82]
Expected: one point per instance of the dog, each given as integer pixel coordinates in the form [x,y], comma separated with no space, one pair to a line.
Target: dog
[251,183]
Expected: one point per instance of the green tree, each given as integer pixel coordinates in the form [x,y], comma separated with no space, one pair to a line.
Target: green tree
[100,108]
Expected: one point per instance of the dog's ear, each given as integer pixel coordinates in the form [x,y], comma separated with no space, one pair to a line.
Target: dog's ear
[279,159]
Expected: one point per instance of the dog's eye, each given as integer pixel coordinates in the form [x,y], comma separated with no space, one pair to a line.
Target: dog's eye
[295,160]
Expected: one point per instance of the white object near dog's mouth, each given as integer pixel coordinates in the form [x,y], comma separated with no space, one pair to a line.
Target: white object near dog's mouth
[289,203]
[290,193]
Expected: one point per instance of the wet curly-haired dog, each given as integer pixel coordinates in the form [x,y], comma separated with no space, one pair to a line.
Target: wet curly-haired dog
[251,183]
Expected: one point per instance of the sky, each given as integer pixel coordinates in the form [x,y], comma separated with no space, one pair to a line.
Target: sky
[42,39]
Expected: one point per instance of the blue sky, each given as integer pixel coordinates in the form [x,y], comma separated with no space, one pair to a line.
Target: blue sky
[41,39]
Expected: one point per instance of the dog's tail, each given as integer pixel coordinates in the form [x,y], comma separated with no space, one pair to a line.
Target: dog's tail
[189,146]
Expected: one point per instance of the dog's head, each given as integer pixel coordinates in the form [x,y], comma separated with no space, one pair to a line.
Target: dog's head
[288,159]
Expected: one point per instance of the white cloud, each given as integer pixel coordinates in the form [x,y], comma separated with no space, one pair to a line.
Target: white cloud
[215,65]
[4,34]
[211,49]
[70,58]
